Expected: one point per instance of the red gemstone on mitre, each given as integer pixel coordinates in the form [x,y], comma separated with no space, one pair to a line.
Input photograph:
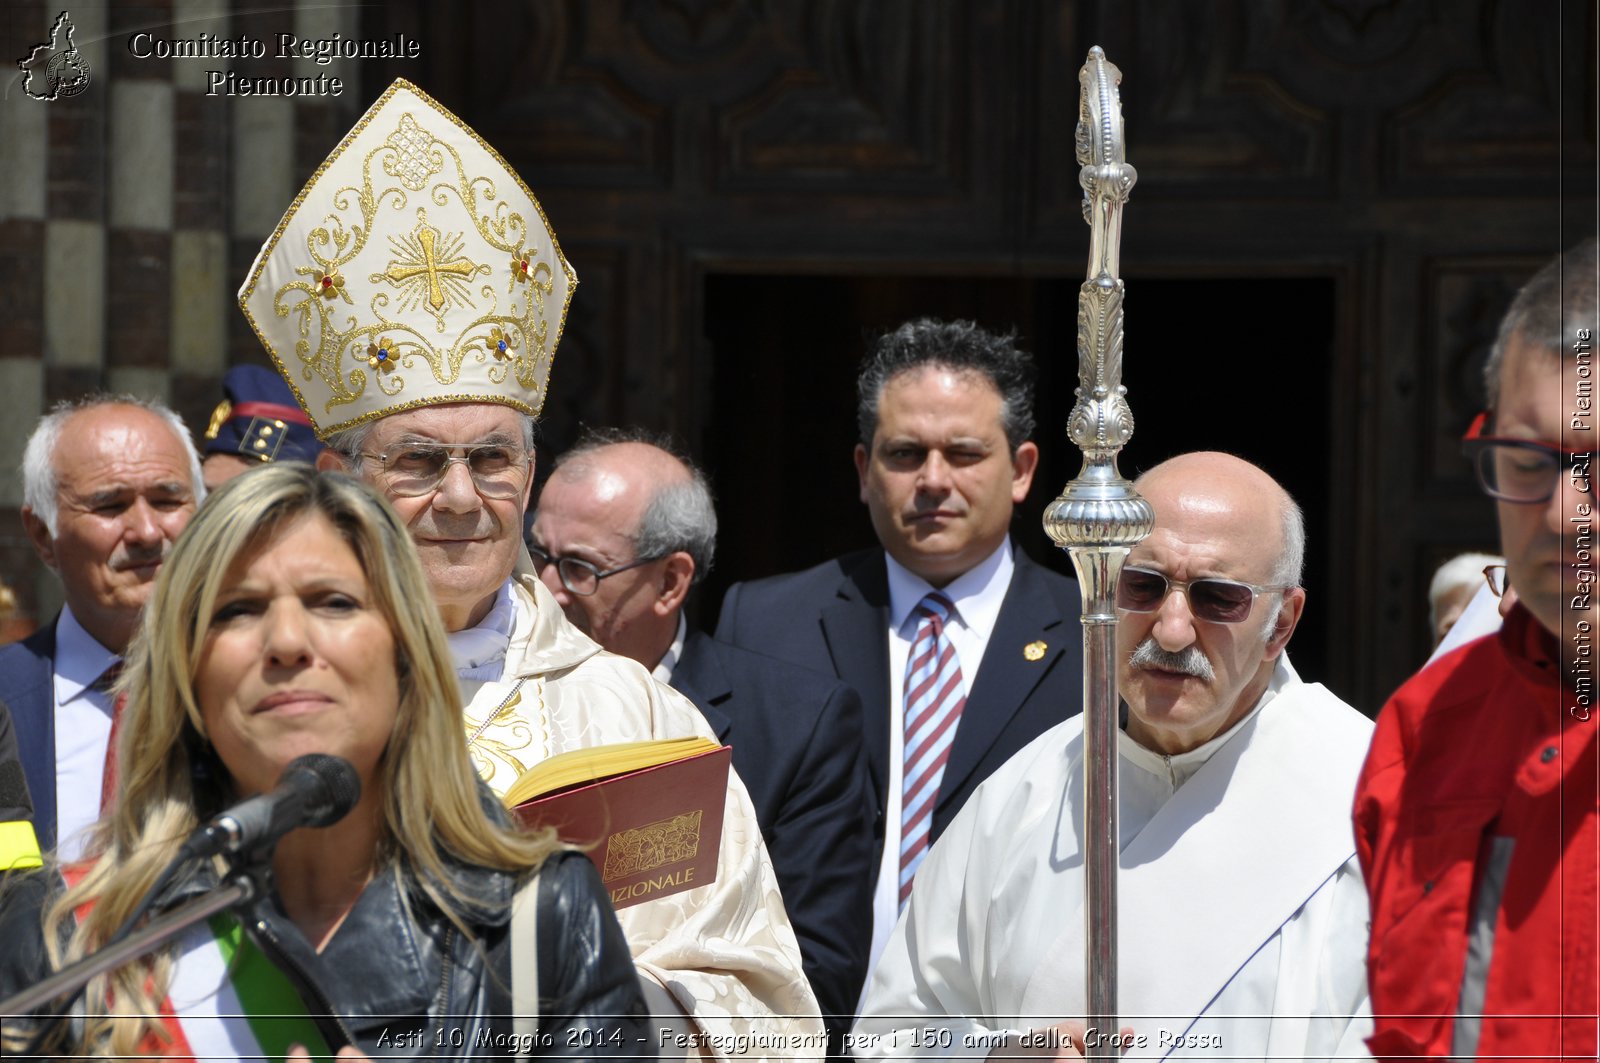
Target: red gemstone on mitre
[327,282]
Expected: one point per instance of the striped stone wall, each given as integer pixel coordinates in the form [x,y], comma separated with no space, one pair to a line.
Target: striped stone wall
[130,212]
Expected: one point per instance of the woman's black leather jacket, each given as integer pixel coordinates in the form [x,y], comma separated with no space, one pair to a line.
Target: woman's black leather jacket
[402,982]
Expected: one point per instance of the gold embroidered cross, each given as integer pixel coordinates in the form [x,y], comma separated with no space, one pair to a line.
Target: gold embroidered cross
[427,236]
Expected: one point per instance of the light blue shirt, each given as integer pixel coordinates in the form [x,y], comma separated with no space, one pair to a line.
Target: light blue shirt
[83,730]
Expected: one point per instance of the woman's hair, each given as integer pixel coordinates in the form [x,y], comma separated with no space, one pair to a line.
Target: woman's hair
[169,781]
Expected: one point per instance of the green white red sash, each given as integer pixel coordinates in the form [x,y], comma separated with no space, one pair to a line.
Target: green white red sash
[228,1001]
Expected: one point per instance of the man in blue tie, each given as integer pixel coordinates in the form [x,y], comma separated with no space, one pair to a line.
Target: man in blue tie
[962,649]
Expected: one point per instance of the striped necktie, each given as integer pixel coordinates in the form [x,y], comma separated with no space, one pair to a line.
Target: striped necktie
[108,775]
[934,698]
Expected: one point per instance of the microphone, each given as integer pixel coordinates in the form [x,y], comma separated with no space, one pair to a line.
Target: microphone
[315,790]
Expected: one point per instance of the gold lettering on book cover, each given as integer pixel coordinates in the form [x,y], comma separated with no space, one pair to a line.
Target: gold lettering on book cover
[653,845]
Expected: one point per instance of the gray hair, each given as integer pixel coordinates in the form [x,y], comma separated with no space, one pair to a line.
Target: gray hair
[39,482]
[679,516]
[1291,567]
[1289,570]
[960,346]
[350,443]
[1549,311]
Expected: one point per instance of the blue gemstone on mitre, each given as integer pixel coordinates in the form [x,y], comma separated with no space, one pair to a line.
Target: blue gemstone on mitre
[502,345]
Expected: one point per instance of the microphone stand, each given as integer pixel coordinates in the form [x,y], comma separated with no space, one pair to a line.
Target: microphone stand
[243,884]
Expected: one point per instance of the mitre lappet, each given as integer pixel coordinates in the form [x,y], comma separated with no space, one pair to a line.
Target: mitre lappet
[414,268]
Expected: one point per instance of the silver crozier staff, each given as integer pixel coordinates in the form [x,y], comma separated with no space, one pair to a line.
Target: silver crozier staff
[1098,518]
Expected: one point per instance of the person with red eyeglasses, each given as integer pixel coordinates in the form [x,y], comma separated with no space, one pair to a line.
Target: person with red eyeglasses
[1476,813]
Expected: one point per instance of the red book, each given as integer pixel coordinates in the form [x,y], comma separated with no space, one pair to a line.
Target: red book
[652,831]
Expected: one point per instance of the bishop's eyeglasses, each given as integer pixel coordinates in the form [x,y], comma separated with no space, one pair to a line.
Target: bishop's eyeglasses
[409,470]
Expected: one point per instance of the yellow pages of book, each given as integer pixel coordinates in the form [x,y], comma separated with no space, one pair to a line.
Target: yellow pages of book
[601,762]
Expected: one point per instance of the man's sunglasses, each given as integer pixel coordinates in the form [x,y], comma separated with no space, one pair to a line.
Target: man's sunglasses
[1215,600]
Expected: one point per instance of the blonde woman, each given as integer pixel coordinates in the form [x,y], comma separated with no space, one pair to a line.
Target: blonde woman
[292,618]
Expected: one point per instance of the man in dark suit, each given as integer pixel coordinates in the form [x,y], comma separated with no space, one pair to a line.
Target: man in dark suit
[108,484]
[622,530]
[963,650]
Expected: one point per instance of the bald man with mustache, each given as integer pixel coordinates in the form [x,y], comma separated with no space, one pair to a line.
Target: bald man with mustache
[1242,913]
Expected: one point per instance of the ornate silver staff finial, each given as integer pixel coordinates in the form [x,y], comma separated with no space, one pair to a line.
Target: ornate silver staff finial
[1099,518]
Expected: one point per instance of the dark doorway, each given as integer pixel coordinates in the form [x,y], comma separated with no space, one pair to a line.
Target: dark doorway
[1199,377]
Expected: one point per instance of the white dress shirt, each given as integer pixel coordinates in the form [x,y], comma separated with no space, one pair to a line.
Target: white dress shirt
[662,672]
[83,730]
[976,596]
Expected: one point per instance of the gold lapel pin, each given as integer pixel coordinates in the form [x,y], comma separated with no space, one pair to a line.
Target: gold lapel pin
[1034,651]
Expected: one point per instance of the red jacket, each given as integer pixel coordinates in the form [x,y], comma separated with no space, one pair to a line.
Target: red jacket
[1485,744]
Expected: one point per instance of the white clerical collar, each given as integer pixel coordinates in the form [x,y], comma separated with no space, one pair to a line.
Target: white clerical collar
[1180,767]
[663,669]
[976,594]
[80,660]
[479,652]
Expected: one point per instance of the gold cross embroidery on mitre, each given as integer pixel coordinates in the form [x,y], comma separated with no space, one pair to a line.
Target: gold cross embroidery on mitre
[427,237]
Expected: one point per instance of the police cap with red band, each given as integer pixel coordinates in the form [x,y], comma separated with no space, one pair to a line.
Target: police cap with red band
[260,418]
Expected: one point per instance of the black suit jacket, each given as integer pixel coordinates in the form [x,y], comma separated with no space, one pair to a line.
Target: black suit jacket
[835,618]
[795,737]
[27,686]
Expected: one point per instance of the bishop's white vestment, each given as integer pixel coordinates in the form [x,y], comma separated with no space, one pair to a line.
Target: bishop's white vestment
[1242,923]
[725,951]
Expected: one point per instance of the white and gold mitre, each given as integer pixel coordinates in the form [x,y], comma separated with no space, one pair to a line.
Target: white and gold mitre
[414,268]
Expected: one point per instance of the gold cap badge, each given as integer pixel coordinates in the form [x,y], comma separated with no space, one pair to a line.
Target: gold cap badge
[219,417]
[1034,651]
[414,268]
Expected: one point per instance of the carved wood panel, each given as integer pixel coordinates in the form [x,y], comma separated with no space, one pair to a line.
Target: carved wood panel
[1416,159]
[1408,153]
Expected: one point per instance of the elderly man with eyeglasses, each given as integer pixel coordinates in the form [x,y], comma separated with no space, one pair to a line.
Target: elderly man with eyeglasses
[1243,917]
[417,325]
[1476,816]
[624,528]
